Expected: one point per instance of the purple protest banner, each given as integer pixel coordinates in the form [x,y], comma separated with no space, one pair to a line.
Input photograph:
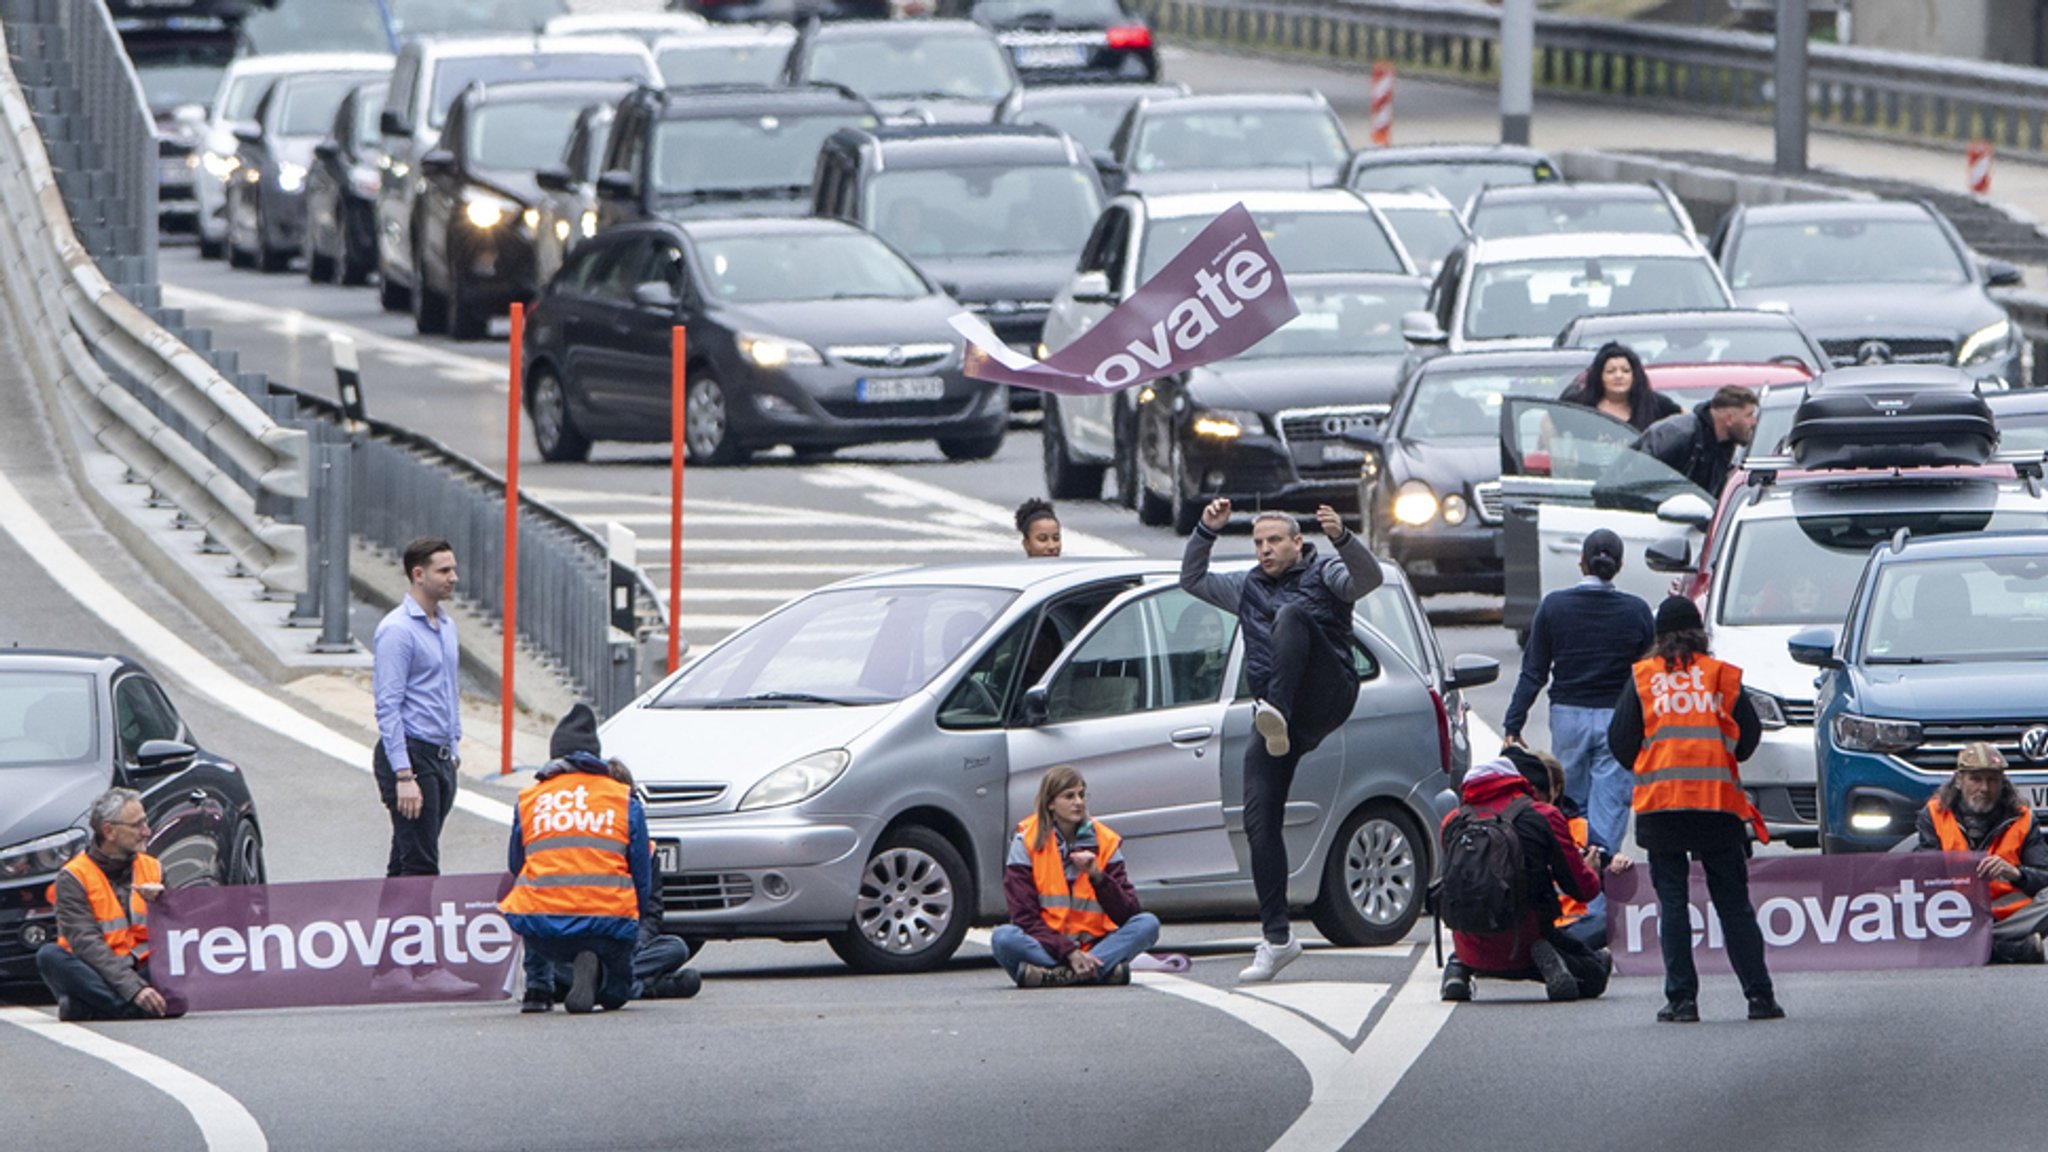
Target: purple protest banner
[1823,914]
[1221,295]
[403,940]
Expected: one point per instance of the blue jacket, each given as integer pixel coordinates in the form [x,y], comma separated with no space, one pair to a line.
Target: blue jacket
[639,857]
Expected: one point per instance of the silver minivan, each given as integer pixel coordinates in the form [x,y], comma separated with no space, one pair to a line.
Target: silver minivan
[850,767]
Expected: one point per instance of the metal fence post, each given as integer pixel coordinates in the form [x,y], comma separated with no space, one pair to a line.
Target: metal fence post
[333,471]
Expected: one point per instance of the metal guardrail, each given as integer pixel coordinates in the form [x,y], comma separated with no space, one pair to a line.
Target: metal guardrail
[1860,89]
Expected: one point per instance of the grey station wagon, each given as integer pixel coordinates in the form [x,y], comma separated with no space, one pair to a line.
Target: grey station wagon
[850,766]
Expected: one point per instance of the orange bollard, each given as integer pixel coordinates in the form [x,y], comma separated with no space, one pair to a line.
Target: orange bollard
[511,601]
[678,424]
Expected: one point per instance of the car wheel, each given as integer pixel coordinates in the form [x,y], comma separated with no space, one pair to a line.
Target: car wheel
[1126,456]
[267,258]
[1373,880]
[320,268]
[707,423]
[554,430]
[245,859]
[971,447]
[912,908]
[1187,511]
[211,249]
[392,296]
[1154,510]
[355,266]
[1064,479]
[429,308]
[466,321]
[239,256]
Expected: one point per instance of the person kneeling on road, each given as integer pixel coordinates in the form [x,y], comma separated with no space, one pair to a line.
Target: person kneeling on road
[580,857]
[1074,917]
[99,967]
[1546,778]
[1978,810]
[1524,942]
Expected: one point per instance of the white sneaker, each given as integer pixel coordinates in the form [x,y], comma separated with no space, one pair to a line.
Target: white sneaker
[392,981]
[1269,959]
[441,982]
[1272,724]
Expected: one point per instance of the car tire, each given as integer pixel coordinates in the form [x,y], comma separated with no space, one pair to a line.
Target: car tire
[355,266]
[1373,880]
[1154,510]
[320,267]
[238,256]
[1064,479]
[1126,454]
[245,858]
[391,295]
[1186,512]
[913,906]
[429,308]
[466,321]
[211,249]
[971,447]
[554,430]
[707,423]
[269,259]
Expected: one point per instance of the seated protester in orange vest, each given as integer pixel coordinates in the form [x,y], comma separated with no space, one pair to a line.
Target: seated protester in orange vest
[580,858]
[1533,949]
[99,967]
[1546,778]
[1683,724]
[1978,810]
[1074,917]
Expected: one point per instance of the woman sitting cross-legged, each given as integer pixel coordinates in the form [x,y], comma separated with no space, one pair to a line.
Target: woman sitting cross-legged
[1074,917]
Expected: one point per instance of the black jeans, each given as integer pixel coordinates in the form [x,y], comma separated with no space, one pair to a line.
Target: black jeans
[655,955]
[1316,687]
[1728,885]
[91,997]
[1581,961]
[547,955]
[416,843]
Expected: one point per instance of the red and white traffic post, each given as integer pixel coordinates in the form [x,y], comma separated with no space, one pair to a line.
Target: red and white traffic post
[1979,159]
[1382,101]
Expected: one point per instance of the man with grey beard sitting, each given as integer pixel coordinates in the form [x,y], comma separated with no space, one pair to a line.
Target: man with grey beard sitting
[1979,811]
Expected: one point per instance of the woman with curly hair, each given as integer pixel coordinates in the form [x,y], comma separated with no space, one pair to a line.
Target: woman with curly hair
[1040,527]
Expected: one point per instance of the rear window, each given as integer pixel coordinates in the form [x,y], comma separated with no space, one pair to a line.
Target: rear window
[459,72]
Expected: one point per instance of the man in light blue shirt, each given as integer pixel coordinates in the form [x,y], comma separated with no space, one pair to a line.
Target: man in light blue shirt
[419,710]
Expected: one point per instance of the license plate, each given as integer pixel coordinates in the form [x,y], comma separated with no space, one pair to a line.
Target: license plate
[1052,56]
[1343,454]
[2037,798]
[668,855]
[899,388]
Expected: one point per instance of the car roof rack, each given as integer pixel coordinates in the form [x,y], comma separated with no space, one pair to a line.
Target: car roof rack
[2028,463]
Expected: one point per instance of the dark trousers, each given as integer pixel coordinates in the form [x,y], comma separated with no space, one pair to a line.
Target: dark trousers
[654,955]
[548,955]
[1728,885]
[90,996]
[1581,961]
[416,843]
[1316,687]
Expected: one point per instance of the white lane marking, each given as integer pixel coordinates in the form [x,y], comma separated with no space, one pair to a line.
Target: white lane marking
[224,1124]
[1340,1006]
[293,322]
[169,654]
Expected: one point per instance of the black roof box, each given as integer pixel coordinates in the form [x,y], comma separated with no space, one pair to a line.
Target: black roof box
[1892,416]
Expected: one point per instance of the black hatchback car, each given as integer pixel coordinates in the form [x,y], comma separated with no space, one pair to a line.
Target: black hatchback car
[810,333]
[72,725]
[266,196]
[1067,41]
[341,191]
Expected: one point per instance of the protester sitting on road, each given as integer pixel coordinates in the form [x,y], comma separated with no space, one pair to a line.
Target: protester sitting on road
[1040,527]
[99,967]
[580,856]
[1532,948]
[1074,916]
[1701,443]
[1978,810]
[1546,779]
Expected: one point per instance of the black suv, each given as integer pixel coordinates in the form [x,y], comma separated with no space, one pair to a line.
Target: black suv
[993,212]
[1067,41]
[722,150]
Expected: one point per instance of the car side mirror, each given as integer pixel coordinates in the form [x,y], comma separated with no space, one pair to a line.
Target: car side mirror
[616,184]
[439,162]
[655,296]
[554,179]
[327,150]
[1093,288]
[190,117]
[391,122]
[1673,555]
[249,134]
[1421,328]
[1470,670]
[163,755]
[1814,647]
[1035,707]
[1687,509]
[2000,274]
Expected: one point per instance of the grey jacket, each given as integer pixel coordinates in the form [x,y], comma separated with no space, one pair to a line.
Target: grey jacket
[81,929]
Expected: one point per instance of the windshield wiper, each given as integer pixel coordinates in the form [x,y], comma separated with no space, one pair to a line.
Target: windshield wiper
[720,193]
[782,698]
[1908,660]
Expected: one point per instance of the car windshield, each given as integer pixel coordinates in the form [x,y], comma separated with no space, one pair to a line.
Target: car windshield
[1700,344]
[171,85]
[309,104]
[1301,242]
[1342,322]
[951,66]
[727,63]
[1572,214]
[442,17]
[47,718]
[1429,234]
[1804,569]
[1050,12]
[743,153]
[844,646]
[516,136]
[1457,180]
[1537,298]
[244,93]
[459,72]
[1092,123]
[1465,405]
[807,266]
[1965,609]
[1040,210]
[1260,138]
[317,26]
[1848,252]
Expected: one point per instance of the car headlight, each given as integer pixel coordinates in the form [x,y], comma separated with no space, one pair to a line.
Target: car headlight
[530,219]
[220,165]
[1455,509]
[1225,423]
[1415,504]
[1991,342]
[588,224]
[797,781]
[1869,734]
[1770,711]
[486,211]
[291,177]
[42,854]
[776,352]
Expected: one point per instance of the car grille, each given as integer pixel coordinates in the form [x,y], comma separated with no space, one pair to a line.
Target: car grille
[705,891]
[1939,743]
[1019,323]
[679,799]
[1316,438]
[897,411]
[1848,352]
[891,355]
[1798,713]
[1486,498]
[1805,799]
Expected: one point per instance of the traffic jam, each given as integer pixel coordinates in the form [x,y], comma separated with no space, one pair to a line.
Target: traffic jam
[1811,423]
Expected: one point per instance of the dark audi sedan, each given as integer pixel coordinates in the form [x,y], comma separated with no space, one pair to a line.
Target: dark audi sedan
[72,725]
[805,332]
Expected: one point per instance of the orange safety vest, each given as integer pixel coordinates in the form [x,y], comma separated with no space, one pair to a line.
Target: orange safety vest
[127,932]
[1570,908]
[2005,899]
[575,828]
[1687,759]
[1071,912]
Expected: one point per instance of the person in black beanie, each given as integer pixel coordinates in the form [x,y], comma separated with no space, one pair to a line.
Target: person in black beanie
[1683,724]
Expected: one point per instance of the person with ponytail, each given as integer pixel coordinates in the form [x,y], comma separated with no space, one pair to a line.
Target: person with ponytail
[1039,524]
[1582,643]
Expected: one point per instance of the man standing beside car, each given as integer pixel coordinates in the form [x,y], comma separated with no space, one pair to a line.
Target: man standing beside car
[1294,608]
[99,967]
[1701,444]
[1978,810]
[419,710]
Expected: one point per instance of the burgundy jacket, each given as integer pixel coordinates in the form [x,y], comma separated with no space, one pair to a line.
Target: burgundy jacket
[1550,861]
[1114,892]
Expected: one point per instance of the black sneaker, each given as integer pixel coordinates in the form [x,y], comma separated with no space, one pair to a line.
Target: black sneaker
[678,985]
[537,1001]
[1765,1007]
[1457,986]
[1558,981]
[583,983]
[1121,974]
[1679,1012]
[65,1012]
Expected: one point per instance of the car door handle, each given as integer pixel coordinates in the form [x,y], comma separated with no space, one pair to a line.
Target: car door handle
[1567,544]
[1193,735]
